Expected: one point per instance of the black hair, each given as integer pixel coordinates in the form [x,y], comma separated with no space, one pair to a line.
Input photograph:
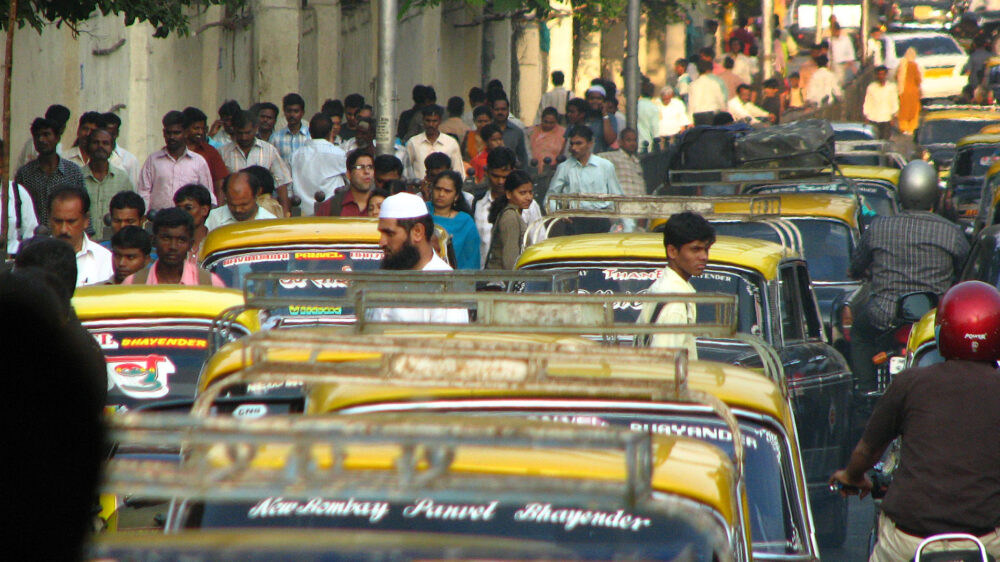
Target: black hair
[558,78]
[127,200]
[244,119]
[394,186]
[354,155]
[550,111]
[455,106]
[728,63]
[426,220]
[419,94]
[260,179]
[821,60]
[229,108]
[482,110]
[320,126]
[581,131]
[70,191]
[580,104]
[111,118]
[432,109]
[267,105]
[494,85]
[173,118]
[293,99]
[773,84]
[54,255]
[173,217]
[354,100]
[430,96]
[437,160]
[194,115]
[722,118]
[501,157]
[742,87]
[516,179]
[41,123]
[194,191]
[59,115]
[388,163]
[488,131]
[493,96]
[92,118]
[681,62]
[476,95]
[647,89]
[704,66]
[881,68]
[133,237]
[460,203]
[333,107]
[686,227]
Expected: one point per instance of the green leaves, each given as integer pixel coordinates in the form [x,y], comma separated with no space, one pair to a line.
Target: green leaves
[166,15]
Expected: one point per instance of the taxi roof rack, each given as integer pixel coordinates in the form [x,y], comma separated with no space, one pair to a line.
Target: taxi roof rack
[308,357]
[871,145]
[574,314]
[734,176]
[218,455]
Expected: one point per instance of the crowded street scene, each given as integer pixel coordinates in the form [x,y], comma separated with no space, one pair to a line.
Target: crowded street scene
[660,281]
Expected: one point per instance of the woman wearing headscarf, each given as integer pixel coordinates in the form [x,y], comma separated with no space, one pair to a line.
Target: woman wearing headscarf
[908,80]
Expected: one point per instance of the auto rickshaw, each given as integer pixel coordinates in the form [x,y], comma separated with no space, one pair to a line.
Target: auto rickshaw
[974,157]
[942,126]
[156,338]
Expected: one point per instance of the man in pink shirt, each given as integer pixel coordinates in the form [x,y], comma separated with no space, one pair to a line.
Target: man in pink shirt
[172,167]
[173,235]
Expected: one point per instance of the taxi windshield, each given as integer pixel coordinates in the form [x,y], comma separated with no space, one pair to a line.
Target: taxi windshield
[947,130]
[928,46]
[984,261]
[875,195]
[827,243]
[233,267]
[152,359]
[975,160]
[628,277]
[590,532]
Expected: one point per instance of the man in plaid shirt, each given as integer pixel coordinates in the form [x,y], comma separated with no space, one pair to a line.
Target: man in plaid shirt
[290,138]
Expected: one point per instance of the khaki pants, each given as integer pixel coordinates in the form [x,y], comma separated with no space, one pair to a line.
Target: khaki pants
[895,546]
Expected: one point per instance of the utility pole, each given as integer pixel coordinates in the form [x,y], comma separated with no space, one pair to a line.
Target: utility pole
[385,129]
[8,63]
[632,66]
[767,37]
[819,22]
[865,30]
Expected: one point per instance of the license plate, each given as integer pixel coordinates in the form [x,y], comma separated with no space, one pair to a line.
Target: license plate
[896,364]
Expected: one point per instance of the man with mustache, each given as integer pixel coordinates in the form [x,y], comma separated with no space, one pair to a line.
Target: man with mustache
[406,229]
[102,180]
[69,217]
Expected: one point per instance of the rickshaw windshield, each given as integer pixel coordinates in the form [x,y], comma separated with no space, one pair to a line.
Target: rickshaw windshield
[590,533]
[234,267]
[153,359]
[826,243]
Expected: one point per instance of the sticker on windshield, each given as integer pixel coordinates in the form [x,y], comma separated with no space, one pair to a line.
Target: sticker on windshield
[336,256]
[255,258]
[366,256]
[140,376]
[296,310]
[173,343]
[571,518]
[702,432]
[631,275]
[300,283]
[106,340]
[280,507]
[250,411]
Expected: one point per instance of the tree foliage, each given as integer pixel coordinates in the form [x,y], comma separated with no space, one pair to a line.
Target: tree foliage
[165,15]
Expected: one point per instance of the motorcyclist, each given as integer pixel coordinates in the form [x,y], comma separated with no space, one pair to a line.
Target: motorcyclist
[915,250]
[948,479]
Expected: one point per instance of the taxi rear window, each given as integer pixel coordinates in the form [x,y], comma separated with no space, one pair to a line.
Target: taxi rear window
[234,267]
[827,244]
[589,531]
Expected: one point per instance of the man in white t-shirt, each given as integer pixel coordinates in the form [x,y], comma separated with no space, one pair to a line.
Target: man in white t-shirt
[241,189]
[405,229]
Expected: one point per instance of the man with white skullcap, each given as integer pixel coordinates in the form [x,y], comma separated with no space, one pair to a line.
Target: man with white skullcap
[406,229]
[601,118]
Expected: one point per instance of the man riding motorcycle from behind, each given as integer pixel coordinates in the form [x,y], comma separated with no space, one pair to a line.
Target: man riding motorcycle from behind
[948,480]
[915,250]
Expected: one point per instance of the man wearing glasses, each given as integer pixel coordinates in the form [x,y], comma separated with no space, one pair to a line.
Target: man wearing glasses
[353,201]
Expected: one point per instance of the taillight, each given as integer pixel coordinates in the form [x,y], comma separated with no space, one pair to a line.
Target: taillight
[902,335]
[846,321]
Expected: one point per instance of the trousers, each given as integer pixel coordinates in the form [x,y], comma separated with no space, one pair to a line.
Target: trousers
[894,545]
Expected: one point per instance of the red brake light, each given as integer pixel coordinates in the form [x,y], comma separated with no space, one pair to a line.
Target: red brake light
[902,335]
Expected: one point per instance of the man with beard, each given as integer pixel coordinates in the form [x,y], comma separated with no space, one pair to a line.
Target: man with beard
[173,235]
[405,229]
[101,179]
[241,190]
[68,216]
[353,201]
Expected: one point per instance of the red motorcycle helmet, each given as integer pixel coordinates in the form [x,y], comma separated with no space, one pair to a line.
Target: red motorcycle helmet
[967,325]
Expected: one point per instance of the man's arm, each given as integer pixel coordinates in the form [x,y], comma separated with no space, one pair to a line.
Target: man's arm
[608,124]
[853,477]
[283,179]
[862,258]
[145,186]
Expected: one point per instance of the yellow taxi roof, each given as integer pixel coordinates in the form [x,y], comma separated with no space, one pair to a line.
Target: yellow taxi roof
[984,114]
[979,138]
[829,205]
[100,302]
[682,466]
[990,129]
[922,332]
[758,255]
[296,230]
[871,172]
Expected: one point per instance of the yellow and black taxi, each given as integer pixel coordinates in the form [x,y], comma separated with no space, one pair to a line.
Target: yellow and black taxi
[775,301]
[974,157]
[941,127]
[566,490]
[876,186]
[156,338]
[780,520]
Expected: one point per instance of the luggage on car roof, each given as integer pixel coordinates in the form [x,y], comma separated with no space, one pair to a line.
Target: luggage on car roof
[707,147]
[801,144]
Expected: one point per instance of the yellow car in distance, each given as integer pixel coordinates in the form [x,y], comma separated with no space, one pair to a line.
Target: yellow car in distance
[566,491]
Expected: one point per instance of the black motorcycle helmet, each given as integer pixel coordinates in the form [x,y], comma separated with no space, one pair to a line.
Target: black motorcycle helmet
[918,186]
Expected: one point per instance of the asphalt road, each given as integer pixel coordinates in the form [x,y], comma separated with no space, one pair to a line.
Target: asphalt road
[859,523]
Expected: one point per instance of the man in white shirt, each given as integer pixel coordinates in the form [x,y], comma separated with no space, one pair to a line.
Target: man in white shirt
[69,208]
[823,86]
[705,97]
[687,238]
[21,219]
[318,166]
[556,97]
[500,162]
[430,141]
[742,109]
[674,116]
[241,191]
[881,103]
[842,55]
[406,229]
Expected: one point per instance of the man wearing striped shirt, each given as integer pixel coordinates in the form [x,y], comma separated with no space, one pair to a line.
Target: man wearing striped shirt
[296,134]
[247,150]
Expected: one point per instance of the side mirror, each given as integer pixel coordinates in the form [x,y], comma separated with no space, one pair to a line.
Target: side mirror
[911,307]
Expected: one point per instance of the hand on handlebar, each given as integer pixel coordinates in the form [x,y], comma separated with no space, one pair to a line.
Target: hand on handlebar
[843,485]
